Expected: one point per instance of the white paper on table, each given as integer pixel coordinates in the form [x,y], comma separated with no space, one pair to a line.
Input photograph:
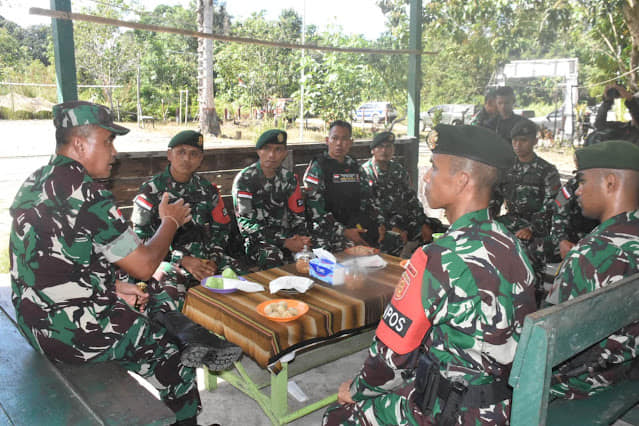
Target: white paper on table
[300,284]
[374,261]
[247,286]
[324,254]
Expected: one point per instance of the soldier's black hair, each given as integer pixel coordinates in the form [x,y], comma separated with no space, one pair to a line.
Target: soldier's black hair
[341,123]
[504,91]
[490,94]
[64,134]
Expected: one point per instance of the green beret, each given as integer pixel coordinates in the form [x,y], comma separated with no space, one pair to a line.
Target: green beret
[80,113]
[275,136]
[609,155]
[188,137]
[474,142]
[382,137]
[525,128]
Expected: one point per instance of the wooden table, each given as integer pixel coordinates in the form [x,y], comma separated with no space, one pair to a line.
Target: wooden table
[341,316]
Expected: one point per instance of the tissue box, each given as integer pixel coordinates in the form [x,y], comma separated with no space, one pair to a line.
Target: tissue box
[327,271]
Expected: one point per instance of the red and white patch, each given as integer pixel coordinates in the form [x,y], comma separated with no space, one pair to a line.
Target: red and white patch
[142,202]
[566,193]
[244,194]
[312,179]
[219,214]
[404,323]
[295,201]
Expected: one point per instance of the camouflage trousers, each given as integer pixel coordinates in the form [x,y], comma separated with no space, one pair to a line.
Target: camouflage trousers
[145,349]
[396,408]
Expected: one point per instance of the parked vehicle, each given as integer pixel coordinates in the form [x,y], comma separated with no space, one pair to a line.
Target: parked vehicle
[376,112]
[550,123]
[454,114]
[528,113]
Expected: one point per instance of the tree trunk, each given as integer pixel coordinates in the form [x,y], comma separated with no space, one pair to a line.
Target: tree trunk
[631,16]
[209,121]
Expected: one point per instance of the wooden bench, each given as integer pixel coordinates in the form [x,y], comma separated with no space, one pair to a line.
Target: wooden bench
[220,165]
[36,391]
[551,336]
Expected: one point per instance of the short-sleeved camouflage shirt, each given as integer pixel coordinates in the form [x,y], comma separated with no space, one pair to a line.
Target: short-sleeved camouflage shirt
[606,255]
[65,236]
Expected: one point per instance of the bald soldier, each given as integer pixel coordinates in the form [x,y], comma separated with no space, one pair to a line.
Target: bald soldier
[446,342]
[608,176]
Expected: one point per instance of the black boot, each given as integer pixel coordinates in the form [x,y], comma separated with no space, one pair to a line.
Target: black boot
[197,345]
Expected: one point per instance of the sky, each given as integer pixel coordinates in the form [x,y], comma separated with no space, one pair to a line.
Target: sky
[354,17]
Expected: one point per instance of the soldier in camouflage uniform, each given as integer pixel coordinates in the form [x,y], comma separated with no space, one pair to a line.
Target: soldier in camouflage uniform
[488,112]
[505,119]
[446,342]
[67,236]
[269,206]
[529,188]
[337,196]
[390,191]
[608,175]
[204,240]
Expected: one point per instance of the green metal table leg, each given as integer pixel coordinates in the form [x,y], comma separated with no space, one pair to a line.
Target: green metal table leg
[279,391]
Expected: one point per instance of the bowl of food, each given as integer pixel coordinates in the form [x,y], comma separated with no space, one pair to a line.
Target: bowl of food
[282,310]
[361,251]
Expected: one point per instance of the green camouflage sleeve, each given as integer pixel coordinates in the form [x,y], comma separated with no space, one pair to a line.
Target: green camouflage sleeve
[145,217]
[113,238]
[251,223]
[369,205]
[564,206]
[321,221]
[541,220]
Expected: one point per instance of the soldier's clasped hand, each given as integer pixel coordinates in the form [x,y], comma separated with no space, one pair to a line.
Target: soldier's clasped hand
[178,211]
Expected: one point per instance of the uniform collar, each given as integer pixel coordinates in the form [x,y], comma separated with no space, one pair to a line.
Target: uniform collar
[167,174]
[58,160]
[470,218]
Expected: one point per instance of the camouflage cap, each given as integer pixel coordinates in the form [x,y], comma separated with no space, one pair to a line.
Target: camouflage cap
[275,136]
[608,155]
[81,113]
[382,137]
[188,137]
[474,142]
[524,128]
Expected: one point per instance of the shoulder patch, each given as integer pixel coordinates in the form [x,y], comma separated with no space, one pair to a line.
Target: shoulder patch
[142,202]
[404,323]
[296,201]
[245,194]
[220,214]
[311,179]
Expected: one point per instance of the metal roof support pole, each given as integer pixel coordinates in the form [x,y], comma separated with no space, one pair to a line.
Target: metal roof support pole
[64,50]
[414,78]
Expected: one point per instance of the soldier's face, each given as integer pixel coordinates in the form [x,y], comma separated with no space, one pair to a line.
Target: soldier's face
[184,159]
[271,157]
[438,182]
[384,152]
[339,142]
[98,153]
[505,105]
[491,106]
[590,193]
[524,147]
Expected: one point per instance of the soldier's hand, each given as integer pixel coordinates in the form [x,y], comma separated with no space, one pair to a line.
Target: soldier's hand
[131,293]
[296,243]
[381,230]
[199,268]
[427,233]
[524,234]
[344,393]
[564,247]
[353,234]
[179,211]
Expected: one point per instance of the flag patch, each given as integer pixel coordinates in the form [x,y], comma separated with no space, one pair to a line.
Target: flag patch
[244,194]
[143,203]
[312,179]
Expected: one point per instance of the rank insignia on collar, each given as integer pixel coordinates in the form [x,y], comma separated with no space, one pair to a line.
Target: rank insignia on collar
[280,137]
[433,136]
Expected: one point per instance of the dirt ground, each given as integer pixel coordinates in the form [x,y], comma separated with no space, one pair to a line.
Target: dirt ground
[28,145]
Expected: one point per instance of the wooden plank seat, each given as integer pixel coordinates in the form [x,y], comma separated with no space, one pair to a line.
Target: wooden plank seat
[553,335]
[36,391]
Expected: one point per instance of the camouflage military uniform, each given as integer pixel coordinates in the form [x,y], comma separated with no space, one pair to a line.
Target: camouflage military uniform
[568,223]
[268,211]
[337,200]
[530,190]
[482,118]
[206,236]
[463,300]
[502,126]
[65,236]
[397,202]
[608,254]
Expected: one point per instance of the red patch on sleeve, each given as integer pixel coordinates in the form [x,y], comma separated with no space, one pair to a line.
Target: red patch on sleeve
[404,323]
[219,213]
[295,201]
